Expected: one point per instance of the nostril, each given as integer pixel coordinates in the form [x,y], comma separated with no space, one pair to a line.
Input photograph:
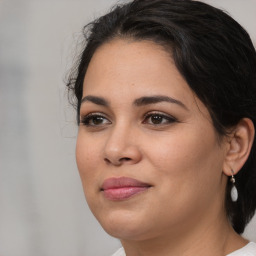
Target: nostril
[124,159]
[118,162]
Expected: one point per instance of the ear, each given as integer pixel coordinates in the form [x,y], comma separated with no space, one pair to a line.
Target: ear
[239,144]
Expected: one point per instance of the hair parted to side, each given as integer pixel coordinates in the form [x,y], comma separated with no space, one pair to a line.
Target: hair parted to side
[212,52]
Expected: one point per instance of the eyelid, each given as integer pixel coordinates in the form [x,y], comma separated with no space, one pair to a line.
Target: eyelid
[93,113]
[154,112]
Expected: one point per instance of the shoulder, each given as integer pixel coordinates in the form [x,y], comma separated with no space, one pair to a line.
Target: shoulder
[248,250]
[120,252]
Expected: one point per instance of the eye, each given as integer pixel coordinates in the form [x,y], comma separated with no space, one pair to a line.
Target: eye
[94,119]
[158,119]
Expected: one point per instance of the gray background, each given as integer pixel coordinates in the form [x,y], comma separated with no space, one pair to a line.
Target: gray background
[42,207]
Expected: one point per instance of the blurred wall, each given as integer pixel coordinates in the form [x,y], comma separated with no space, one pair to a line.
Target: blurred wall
[42,207]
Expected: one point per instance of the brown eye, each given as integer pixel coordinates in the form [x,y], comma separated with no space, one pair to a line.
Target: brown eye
[94,120]
[158,119]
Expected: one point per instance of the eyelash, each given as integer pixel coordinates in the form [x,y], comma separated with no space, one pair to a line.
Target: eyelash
[88,119]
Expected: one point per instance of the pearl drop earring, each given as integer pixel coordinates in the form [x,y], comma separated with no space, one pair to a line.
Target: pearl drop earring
[234,192]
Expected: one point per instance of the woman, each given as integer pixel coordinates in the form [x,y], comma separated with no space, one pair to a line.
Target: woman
[166,104]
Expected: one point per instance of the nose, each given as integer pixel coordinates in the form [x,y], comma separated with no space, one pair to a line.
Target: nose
[121,147]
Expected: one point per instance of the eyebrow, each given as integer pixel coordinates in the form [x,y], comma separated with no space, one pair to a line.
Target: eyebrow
[142,101]
[96,100]
[147,100]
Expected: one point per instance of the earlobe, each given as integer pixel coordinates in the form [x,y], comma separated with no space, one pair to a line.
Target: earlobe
[239,145]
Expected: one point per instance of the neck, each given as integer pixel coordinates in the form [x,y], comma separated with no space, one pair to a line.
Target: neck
[211,237]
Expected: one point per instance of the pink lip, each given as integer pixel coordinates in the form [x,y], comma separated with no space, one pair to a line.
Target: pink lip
[122,188]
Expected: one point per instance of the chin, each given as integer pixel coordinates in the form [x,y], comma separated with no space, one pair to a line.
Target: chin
[125,225]
[127,232]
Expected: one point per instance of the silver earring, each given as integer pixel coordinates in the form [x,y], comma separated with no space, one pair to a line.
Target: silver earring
[234,192]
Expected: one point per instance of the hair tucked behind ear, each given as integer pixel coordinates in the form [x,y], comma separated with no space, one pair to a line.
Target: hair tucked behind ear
[213,53]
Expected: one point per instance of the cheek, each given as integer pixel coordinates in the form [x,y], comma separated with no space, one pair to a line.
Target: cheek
[87,160]
[187,174]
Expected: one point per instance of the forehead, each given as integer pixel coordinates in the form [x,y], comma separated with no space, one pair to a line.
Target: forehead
[135,61]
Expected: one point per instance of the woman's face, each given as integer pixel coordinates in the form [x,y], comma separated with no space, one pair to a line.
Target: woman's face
[149,158]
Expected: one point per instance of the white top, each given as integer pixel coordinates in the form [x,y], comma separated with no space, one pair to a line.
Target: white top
[120,252]
[248,250]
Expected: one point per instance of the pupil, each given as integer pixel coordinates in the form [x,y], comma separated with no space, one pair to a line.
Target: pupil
[156,119]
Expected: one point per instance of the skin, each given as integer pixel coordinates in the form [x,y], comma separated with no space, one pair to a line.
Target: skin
[180,156]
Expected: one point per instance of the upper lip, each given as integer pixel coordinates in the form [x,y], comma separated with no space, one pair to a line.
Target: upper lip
[122,182]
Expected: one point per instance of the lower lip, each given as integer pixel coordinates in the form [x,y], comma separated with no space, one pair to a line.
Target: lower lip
[118,194]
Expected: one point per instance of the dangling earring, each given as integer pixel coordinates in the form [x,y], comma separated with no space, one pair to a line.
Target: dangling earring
[234,192]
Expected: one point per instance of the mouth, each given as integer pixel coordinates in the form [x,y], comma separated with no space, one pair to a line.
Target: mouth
[118,189]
